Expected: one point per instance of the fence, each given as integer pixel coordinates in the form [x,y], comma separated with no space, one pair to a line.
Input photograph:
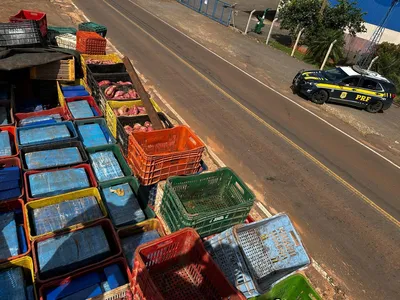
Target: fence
[215,9]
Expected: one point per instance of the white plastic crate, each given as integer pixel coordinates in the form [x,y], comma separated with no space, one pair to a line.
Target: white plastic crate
[67,41]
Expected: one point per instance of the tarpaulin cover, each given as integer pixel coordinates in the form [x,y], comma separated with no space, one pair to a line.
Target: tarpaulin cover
[72,250]
[8,236]
[92,135]
[58,182]
[53,158]
[12,283]
[5,146]
[20,58]
[106,166]
[61,215]
[123,205]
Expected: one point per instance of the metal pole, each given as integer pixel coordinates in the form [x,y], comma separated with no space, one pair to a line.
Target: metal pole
[327,54]
[297,41]
[270,30]
[372,62]
[248,21]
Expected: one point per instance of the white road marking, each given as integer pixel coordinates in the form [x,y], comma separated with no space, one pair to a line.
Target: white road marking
[272,89]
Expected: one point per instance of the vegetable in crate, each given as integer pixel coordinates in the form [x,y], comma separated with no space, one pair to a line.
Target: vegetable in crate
[106,166]
[118,90]
[123,205]
[147,126]
[125,111]
[92,61]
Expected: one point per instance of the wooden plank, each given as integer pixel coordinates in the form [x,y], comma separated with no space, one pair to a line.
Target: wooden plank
[151,112]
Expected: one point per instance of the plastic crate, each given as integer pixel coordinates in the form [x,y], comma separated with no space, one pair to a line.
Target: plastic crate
[293,287]
[26,264]
[44,134]
[122,135]
[209,202]
[53,111]
[12,140]
[23,34]
[90,139]
[112,240]
[6,113]
[157,155]
[54,31]
[63,70]
[110,116]
[149,214]
[97,113]
[86,167]
[66,40]
[117,154]
[133,231]
[78,82]
[90,43]
[90,192]
[53,162]
[37,16]
[7,163]
[118,293]
[178,267]
[24,244]
[259,254]
[113,57]
[91,26]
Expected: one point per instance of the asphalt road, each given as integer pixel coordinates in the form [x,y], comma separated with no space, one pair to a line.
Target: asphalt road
[238,117]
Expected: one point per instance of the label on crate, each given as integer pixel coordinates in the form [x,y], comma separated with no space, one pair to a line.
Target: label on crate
[218,219]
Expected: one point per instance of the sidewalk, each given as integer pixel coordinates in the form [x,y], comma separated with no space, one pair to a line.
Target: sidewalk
[276,69]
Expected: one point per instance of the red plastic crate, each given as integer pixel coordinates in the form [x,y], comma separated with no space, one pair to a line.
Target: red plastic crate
[13,162]
[13,141]
[37,16]
[63,112]
[55,283]
[157,155]
[176,267]
[87,167]
[113,242]
[11,206]
[91,102]
[90,43]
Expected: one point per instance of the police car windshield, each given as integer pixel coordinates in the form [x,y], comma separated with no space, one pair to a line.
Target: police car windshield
[335,74]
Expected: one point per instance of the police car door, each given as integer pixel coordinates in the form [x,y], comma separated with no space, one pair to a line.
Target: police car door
[346,91]
[369,90]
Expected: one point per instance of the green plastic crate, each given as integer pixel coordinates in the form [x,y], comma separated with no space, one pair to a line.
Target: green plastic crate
[91,26]
[53,31]
[209,202]
[294,287]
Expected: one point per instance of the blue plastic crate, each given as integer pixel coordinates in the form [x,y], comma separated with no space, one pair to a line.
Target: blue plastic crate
[72,250]
[68,88]
[64,214]
[5,145]
[10,173]
[122,205]
[12,284]
[40,134]
[57,182]
[130,243]
[89,292]
[40,120]
[8,236]
[92,135]
[53,158]
[80,109]
[106,166]
[271,249]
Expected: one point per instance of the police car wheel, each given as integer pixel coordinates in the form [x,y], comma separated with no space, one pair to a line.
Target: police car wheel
[374,107]
[320,97]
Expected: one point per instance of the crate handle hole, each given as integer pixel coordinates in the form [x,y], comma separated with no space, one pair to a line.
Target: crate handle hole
[193,140]
[164,244]
[294,237]
[239,187]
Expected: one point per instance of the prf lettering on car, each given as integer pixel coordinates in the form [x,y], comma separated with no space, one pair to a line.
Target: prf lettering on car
[363,98]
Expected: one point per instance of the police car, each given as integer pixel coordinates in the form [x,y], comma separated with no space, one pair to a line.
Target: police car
[347,85]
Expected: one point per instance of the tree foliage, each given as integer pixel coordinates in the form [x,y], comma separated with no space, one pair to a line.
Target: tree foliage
[388,63]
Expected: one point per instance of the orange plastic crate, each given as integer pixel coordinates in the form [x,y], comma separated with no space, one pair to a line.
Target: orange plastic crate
[177,267]
[90,43]
[157,155]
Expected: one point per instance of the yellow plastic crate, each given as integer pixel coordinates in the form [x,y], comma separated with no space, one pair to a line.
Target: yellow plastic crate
[26,264]
[84,57]
[61,97]
[148,225]
[61,198]
[111,118]
[63,70]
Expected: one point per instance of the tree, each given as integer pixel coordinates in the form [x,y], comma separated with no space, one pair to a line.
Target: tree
[388,63]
